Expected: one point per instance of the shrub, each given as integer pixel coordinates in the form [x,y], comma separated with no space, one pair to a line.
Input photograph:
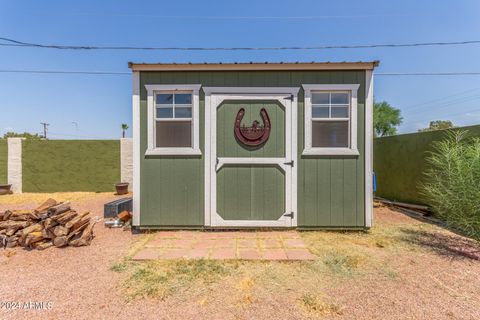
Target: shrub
[452,186]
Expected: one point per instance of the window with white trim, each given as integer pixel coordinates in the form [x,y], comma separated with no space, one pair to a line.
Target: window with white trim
[330,119]
[173,119]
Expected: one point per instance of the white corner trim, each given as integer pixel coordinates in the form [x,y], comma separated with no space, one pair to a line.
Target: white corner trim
[136,146]
[330,152]
[368,148]
[151,149]
[14,164]
[308,148]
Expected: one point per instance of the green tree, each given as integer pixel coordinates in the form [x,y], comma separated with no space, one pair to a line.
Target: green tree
[438,125]
[124,129]
[26,135]
[386,119]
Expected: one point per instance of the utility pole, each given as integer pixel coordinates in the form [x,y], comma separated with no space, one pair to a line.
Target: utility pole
[45,125]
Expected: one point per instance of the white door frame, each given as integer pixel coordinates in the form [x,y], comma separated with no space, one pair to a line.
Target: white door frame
[213,98]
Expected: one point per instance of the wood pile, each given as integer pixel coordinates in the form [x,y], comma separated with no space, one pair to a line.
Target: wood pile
[51,224]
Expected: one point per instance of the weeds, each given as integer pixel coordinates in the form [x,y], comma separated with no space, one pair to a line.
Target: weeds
[318,305]
[341,263]
[453,182]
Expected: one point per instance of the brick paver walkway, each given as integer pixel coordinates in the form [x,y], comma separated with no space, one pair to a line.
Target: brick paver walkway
[265,245]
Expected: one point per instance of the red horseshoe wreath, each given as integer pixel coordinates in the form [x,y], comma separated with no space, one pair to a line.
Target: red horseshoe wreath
[255,135]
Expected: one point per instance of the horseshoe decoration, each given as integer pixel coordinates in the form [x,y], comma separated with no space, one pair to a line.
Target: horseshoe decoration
[254,135]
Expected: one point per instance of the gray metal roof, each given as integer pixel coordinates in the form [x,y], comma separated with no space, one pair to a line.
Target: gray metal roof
[312,65]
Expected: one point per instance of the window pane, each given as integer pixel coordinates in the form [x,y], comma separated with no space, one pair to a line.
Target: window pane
[331,134]
[164,112]
[164,98]
[320,98]
[173,134]
[183,98]
[183,112]
[339,98]
[340,112]
[319,112]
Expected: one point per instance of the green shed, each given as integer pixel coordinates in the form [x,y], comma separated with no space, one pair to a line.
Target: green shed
[249,145]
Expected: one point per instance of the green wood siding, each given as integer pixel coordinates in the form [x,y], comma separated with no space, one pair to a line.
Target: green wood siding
[70,165]
[3,161]
[330,189]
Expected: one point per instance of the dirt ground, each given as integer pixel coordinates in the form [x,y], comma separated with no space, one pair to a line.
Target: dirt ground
[401,269]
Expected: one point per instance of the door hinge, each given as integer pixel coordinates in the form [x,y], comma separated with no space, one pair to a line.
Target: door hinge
[291,163]
[291,215]
[289,97]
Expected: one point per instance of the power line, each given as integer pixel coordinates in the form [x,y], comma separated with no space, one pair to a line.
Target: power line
[439,99]
[429,74]
[129,73]
[74,135]
[65,72]
[242,17]
[18,43]
[445,104]
[415,118]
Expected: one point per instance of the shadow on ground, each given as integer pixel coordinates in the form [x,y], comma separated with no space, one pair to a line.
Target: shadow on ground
[449,245]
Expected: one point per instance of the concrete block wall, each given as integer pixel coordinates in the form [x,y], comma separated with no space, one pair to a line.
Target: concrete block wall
[126,161]
[15,166]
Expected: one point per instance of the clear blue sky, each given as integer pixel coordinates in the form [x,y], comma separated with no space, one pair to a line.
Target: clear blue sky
[99,104]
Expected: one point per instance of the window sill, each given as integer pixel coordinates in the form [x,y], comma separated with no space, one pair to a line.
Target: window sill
[330,152]
[173,152]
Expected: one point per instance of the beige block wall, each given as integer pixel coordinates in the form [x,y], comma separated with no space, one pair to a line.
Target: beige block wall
[126,161]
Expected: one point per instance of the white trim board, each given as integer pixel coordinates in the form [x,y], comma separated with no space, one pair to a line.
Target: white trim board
[368,149]
[213,98]
[136,147]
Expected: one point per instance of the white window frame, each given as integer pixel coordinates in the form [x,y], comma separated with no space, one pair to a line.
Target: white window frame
[152,89]
[352,89]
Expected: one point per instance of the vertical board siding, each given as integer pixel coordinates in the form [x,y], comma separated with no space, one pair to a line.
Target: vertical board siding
[70,165]
[3,161]
[330,189]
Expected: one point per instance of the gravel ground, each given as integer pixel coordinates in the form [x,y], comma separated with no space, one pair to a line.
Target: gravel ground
[425,281]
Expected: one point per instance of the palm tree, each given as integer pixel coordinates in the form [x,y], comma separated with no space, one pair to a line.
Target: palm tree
[124,128]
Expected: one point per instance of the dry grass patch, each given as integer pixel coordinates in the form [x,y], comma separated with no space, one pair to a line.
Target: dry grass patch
[319,305]
[20,198]
[160,279]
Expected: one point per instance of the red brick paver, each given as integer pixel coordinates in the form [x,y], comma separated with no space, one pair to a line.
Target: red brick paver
[245,245]
[299,254]
[147,254]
